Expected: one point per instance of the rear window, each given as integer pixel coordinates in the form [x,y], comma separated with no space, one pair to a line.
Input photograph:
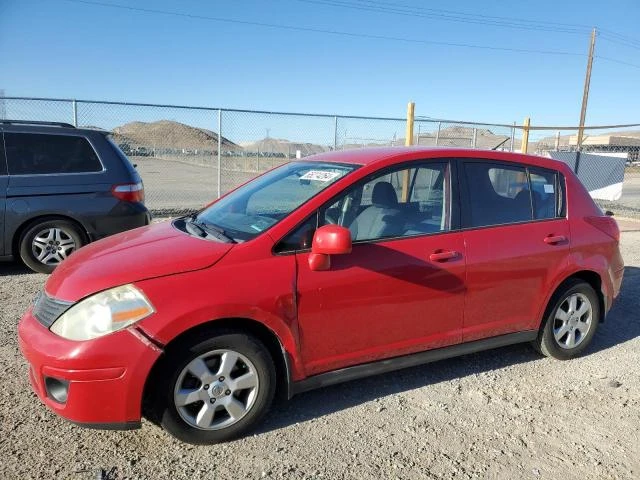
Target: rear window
[40,154]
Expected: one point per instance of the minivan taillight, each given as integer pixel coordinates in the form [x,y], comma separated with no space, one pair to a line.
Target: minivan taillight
[606,225]
[129,192]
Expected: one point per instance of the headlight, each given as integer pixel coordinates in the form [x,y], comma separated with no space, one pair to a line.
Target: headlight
[103,313]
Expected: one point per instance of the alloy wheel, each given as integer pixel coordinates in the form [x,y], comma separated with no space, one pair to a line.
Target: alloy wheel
[572,321]
[216,389]
[51,246]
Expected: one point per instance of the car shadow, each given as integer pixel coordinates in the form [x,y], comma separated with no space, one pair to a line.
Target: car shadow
[15,268]
[622,324]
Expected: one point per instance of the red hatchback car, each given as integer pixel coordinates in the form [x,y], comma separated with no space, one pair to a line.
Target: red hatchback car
[327,269]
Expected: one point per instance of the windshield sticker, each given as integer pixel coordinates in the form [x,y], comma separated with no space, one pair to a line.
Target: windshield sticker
[320,175]
[548,188]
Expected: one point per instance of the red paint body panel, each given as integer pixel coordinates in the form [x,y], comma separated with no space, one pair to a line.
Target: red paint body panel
[384,299]
[106,375]
[509,268]
[147,252]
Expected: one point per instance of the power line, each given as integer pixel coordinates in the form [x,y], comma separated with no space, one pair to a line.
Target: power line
[614,60]
[479,19]
[620,42]
[343,33]
[451,16]
[620,37]
[436,10]
[324,31]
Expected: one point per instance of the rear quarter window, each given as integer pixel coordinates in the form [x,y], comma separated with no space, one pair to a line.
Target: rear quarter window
[45,154]
[547,193]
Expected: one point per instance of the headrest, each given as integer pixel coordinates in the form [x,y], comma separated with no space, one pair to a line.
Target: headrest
[384,195]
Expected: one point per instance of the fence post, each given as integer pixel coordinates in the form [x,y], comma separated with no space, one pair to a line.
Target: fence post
[74,106]
[558,141]
[525,135]
[408,140]
[335,132]
[438,133]
[219,151]
[475,137]
[513,134]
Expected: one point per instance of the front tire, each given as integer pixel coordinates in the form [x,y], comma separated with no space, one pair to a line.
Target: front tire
[45,244]
[571,321]
[216,389]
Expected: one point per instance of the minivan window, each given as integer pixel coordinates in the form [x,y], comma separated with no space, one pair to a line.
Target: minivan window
[38,154]
[3,162]
[498,195]
[256,206]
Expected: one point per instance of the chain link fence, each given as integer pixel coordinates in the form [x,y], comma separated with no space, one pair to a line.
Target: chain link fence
[188,156]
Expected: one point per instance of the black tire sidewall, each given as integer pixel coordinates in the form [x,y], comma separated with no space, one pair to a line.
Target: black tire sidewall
[27,237]
[547,342]
[251,348]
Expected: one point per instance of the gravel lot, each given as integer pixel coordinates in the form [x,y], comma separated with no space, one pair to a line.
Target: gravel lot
[506,413]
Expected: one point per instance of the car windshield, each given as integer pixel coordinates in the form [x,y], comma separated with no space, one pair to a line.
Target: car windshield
[256,206]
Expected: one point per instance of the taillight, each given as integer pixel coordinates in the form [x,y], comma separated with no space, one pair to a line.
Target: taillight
[606,225]
[129,192]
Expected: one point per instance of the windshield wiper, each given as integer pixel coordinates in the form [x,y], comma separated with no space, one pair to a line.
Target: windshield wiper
[210,229]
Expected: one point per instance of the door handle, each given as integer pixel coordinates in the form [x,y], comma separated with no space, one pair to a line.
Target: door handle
[554,239]
[442,256]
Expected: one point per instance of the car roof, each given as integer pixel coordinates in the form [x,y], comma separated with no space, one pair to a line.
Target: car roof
[48,127]
[371,156]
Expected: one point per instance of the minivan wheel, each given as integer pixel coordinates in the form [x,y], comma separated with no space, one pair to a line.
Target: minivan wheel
[217,389]
[571,321]
[45,244]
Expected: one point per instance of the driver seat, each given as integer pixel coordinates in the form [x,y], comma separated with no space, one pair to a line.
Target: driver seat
[382,218]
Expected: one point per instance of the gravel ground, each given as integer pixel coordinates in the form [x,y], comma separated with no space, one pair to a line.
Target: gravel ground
[506,413]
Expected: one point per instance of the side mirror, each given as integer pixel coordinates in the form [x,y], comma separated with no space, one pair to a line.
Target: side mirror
[328,240]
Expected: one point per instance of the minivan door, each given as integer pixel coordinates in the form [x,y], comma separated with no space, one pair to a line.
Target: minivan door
[517,243]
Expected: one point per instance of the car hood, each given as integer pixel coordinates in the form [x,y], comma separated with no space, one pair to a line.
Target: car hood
[148,252]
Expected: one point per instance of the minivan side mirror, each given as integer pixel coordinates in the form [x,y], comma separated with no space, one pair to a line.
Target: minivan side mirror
[328,240]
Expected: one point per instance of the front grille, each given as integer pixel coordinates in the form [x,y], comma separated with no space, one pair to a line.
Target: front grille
[47,309]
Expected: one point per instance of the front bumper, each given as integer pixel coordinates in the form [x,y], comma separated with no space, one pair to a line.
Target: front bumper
[104,377]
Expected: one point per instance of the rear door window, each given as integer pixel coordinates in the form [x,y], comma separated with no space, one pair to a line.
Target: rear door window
[546,193]
[41,154]
[497,194]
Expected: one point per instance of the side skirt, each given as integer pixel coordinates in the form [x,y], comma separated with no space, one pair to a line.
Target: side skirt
[406,361]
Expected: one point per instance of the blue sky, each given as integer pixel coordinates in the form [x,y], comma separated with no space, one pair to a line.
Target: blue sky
[60,48]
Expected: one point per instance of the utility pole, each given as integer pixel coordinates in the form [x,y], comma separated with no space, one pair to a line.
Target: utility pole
[585,94]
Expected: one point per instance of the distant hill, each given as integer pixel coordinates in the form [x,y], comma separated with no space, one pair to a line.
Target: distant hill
[169,134]
[279,145]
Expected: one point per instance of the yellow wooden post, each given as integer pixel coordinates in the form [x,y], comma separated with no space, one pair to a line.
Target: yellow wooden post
[525,135]
[408,141]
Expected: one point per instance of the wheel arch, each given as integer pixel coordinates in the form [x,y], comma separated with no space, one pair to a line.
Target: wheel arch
[590,277]
[25,225]
[249,326]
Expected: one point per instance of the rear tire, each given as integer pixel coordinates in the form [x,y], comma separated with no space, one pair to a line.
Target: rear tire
[571,321]
[214,390]
[45,244]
